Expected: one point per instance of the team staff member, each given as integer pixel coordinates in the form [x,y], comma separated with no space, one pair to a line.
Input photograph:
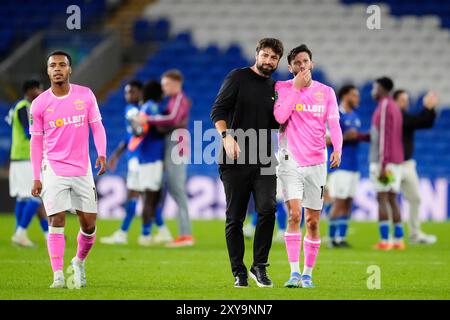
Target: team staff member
[410,180]
[245,104]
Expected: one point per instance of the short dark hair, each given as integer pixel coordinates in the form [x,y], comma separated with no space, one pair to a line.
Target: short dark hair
[345,90]
[30,84]
[136,83]
[297,50]
[386,83]
[60,53]
[152,91]
[173,74]
[272,43]
[397,93]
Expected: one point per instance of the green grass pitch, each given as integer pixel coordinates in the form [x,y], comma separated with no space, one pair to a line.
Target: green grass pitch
[203,272]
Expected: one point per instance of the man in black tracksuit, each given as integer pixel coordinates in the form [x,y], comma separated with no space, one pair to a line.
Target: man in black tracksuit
[243,116]
[410,179]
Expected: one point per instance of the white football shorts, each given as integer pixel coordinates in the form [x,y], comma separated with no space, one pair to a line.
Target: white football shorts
[66,193]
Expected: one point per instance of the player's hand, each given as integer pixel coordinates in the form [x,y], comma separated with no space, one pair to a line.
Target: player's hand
[101,161]
[112,163]
[37,188]
[431,100]
[335,159]
[302,79]
[231,147]
[141,118]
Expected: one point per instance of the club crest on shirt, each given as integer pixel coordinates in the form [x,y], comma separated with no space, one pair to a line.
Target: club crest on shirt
[320,97]
[79,104]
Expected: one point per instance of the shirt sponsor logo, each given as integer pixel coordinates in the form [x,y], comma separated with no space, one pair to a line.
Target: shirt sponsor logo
[316,109]
[77,121]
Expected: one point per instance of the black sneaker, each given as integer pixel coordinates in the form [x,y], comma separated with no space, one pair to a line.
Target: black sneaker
[259,274]
[241,281]
[333,244]
[344,244]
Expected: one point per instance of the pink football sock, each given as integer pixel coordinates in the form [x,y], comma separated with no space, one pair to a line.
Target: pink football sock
[293,246]
[85,243]
[311,249]
[56,245]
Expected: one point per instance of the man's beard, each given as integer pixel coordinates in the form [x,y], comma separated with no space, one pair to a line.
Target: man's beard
[266,72]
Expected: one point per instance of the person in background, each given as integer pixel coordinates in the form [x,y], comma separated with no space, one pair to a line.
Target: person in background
[410,179]
[20,172]
[175,116]
[344,180]
[386,158]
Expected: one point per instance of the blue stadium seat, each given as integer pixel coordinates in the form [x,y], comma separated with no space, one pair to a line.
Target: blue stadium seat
[414,7]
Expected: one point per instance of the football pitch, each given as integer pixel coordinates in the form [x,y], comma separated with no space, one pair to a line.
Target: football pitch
[203,271]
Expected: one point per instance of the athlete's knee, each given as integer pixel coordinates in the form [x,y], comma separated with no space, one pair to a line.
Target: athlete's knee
[295,216]
[312,223]
[89,228]
[56,220]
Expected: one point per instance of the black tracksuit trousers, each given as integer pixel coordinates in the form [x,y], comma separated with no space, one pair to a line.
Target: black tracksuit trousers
[240,181]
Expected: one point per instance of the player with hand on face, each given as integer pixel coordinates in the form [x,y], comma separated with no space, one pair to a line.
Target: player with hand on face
[304,107]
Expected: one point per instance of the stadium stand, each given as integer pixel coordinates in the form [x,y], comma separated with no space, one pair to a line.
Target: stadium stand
[207,47]
[203,40]
[19,22]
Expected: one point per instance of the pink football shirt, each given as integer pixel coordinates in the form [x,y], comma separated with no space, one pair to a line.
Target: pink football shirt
[303,114]
[64,123]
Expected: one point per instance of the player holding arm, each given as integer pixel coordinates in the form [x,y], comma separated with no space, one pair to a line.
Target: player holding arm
[59,124]
[386,156]
[133,97]
[304,107]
